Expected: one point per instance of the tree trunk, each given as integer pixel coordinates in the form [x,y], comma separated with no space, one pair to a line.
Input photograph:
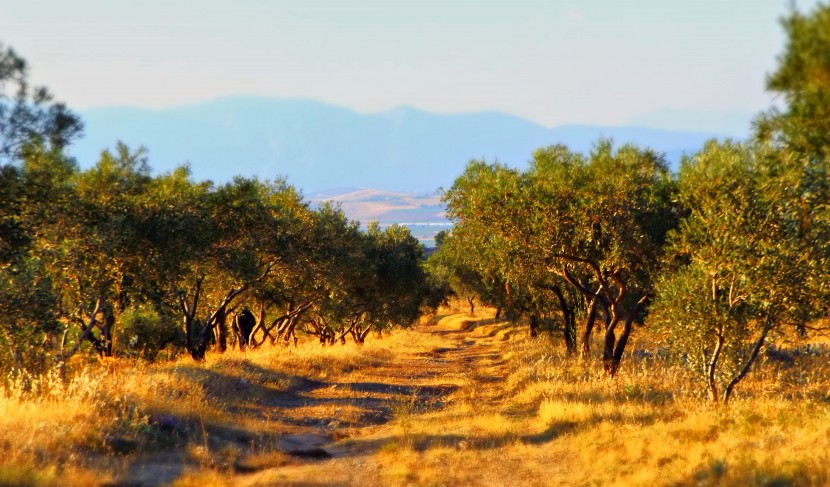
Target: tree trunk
[189,335]
[198,340]
[608,348]
[108,332]
[364,334]
[585,353]
[198,347]
[711,367]
[727,393]
[86,334]
[222,332]
[472,302]
[260,325]
[534,326]
[568,321]
[189,311]
[570,335]
[612,319]
[619,348]
[289,331]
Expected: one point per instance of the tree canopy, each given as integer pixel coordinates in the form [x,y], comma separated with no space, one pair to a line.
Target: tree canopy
[29,114]
[802,78]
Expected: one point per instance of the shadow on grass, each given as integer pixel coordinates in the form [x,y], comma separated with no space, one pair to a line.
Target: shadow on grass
[261,393]
[436,319]
[471,324]
[424,442]
[246,390]
[274,401]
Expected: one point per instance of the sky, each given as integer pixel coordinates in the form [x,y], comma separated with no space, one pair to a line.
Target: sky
[608,62]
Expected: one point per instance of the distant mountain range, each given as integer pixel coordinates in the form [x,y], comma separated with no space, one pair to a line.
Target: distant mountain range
[316,145]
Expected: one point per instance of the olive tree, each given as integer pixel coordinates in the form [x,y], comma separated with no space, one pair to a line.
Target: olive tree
[750,258]
[247,234]
[35,128]
[478,257]
[572,237]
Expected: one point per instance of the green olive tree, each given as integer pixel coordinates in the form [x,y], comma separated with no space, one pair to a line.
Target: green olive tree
[750,258]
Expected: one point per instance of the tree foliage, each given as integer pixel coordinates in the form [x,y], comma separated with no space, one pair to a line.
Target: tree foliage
[115,241]
[803,79]
[750,258]
[573,236]
[29,114]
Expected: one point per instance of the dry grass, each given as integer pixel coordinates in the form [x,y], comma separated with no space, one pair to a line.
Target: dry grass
[561,422]
[466,401]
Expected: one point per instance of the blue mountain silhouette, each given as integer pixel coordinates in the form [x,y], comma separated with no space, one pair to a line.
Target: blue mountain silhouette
[316,145]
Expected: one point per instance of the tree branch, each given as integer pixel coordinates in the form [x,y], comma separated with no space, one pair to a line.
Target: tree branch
[584,290]
[593,265]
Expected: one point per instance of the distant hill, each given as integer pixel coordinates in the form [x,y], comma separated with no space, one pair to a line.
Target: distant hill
[316,145]
[386,207]
[422,213]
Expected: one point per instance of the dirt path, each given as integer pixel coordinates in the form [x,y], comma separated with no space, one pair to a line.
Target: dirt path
[330,431]
[468,362]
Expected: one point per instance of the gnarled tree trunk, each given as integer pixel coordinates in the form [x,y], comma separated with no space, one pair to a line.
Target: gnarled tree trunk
[585,350]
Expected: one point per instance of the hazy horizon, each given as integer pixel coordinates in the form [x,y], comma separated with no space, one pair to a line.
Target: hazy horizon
[734,123]
[670,65]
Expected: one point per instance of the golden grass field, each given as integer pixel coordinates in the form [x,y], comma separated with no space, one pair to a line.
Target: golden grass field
[458,400]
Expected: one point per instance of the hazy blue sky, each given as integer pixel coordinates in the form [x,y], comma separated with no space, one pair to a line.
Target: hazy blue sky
[555,62]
